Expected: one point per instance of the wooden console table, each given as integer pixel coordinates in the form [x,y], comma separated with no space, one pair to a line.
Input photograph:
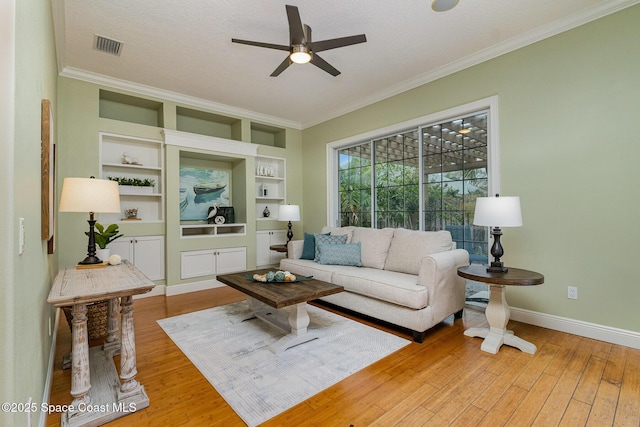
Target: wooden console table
[107,397]
[498,311]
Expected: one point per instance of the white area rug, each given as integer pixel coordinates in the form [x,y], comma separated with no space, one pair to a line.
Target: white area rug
[233,355]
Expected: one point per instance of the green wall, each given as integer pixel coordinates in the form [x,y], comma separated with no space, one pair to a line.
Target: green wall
[26,46]
[567,110]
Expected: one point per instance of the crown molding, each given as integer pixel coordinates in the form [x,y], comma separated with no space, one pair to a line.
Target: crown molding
[534,36]
[125,85]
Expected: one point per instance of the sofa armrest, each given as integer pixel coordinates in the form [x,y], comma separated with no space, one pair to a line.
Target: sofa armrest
[294,249]
[439,274]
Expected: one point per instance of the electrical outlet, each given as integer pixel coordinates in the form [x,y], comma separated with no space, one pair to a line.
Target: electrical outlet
[573,292]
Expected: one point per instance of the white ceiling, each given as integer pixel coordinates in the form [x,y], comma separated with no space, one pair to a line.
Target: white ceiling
[182,50]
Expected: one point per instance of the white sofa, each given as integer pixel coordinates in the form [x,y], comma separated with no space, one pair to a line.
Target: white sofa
[407,278]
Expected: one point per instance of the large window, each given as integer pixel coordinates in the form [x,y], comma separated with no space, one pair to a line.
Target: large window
[425,178]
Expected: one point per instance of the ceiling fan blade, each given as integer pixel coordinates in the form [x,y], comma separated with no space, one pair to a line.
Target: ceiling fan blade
[296,30]
[260,44]
[324,65]
[339,42]
[283,66]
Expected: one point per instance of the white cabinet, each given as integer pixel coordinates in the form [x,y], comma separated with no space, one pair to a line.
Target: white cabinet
[134,159]
[212,261]
[264,240]
[145,252]
[270,186]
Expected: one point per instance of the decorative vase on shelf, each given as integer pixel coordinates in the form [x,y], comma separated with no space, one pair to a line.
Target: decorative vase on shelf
[266,212]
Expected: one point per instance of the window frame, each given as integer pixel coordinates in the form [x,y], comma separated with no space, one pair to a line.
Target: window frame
[490,105]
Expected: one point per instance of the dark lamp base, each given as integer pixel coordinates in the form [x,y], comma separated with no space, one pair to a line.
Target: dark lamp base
[497,267]
[90,260]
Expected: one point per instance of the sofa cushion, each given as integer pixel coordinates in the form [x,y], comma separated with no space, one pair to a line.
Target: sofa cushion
[327,238]
[337,231]
[375,245]
[344,254]
[307,267]
[408,247]
[394,287]
[309,248]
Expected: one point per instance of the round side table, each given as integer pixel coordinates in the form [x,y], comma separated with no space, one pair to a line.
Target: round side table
[498,311]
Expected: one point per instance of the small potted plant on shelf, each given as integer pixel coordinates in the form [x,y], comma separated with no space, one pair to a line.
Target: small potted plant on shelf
[103,236]
[133,185]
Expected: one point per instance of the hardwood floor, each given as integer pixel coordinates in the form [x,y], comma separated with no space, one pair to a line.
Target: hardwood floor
[446,381]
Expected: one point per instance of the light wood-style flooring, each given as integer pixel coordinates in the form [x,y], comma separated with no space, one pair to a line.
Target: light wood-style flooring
[446,381]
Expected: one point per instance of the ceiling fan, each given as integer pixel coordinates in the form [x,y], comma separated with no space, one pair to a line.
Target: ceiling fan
[302,49]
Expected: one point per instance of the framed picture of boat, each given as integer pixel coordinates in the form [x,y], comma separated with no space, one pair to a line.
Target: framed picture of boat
[200,188]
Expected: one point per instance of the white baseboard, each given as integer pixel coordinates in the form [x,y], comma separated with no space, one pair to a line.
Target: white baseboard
[49,380]
[192,287]
[158,290]
[577,327]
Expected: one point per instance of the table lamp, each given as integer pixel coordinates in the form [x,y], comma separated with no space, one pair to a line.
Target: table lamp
[90,195]
[497,212]
[289,213]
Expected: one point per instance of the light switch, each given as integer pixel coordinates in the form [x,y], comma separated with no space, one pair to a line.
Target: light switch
[21,236]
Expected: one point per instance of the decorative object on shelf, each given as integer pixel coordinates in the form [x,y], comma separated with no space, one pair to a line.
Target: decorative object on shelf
[264,190]
[266,212]
[128,160]
[134,182]
[289,213]
[266,170]
[131,213]
[221,215]
[90,195]
[497,212]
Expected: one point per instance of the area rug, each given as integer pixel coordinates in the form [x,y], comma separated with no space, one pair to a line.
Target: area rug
[232,353]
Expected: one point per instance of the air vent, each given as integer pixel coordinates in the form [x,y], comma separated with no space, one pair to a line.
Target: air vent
[106,45]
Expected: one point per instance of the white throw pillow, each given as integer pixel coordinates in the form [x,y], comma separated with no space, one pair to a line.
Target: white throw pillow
[374,245]
[408,247]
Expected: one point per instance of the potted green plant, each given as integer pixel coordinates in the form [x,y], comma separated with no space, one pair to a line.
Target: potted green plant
[103,236]
[133,185]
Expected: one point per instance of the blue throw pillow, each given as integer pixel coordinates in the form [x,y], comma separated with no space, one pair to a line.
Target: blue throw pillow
[339,254]
[329,238]
[309,246]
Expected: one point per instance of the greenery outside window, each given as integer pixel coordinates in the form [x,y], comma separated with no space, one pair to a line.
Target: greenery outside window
[426,178]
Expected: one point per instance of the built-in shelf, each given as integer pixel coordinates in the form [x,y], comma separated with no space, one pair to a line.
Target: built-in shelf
[268,135]
[208,124]
[212,230]
[270,187]
[127,108]
[133,157]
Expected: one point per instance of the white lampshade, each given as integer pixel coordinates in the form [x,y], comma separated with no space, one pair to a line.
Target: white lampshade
[498,212]
[289,213]
[89,195]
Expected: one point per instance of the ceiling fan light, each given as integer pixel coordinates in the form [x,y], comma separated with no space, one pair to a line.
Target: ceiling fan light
[300,54]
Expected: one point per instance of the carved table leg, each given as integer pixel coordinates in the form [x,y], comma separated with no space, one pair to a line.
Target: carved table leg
[80,375]
[129,386]
[112,342]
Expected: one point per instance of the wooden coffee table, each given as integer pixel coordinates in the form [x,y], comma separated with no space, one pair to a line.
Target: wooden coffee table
[263,298]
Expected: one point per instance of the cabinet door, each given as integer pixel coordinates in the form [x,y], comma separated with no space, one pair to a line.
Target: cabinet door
[123,247]
[263,253]
[148,255]
[231,260]
[197,263]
